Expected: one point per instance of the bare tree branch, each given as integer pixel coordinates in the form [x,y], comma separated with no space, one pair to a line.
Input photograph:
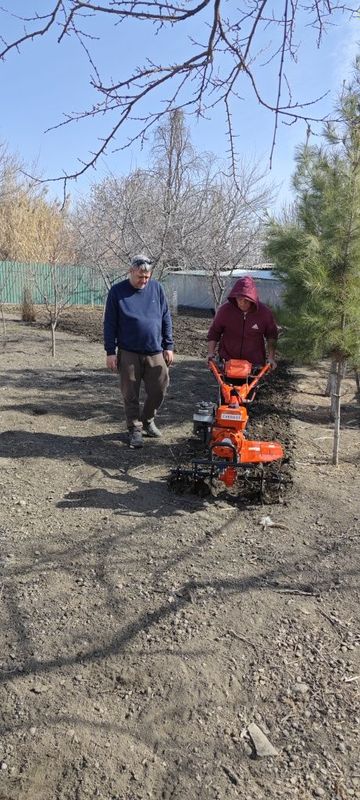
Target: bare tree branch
[211,72]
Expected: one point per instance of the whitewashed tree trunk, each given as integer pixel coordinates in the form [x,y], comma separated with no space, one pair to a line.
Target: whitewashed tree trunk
[53,339]
[173,302]
[336,406]
[3,321]
[331,381]
[357,380]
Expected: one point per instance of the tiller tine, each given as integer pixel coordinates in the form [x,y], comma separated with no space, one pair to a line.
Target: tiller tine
[189,481]
[225,463]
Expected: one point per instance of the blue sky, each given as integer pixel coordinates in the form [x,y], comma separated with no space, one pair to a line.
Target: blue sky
[46,80]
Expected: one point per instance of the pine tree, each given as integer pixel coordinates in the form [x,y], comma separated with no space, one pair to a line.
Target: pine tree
[318,254]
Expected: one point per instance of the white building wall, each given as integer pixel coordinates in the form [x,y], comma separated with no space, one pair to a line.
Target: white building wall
[192,289]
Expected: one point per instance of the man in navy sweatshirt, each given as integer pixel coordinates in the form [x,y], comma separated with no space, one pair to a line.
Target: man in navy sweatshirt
[139,344]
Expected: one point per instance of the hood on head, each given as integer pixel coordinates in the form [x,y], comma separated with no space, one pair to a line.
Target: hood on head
[244,287]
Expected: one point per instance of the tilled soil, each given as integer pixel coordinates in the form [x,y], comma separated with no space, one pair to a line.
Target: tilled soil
[189,328]
[146,637]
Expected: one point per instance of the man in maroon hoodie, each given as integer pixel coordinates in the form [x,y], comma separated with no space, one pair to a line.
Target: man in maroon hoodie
[242,326]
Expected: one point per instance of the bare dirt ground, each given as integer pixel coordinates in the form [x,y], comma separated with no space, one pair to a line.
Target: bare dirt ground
[146,638]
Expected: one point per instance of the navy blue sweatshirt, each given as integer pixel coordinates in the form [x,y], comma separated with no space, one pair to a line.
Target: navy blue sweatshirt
[137,320]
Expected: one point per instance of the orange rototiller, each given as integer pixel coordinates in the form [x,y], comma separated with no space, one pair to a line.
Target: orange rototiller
[232,458]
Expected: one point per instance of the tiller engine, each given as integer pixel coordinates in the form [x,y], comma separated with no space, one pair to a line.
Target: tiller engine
[232,458]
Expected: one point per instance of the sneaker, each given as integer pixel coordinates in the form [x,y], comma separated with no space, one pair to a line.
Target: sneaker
[151,430]
[135,439]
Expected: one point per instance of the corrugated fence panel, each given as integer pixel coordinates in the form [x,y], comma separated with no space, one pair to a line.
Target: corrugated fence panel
[75,284]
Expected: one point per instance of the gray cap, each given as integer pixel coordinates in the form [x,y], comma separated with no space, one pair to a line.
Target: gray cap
[141,261]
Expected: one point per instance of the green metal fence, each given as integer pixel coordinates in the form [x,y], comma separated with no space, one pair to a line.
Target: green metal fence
[78,285]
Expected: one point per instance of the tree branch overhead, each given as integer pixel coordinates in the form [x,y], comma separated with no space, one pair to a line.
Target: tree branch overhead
[218,69]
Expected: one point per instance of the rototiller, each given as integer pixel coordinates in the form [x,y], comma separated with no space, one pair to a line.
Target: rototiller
[232,458]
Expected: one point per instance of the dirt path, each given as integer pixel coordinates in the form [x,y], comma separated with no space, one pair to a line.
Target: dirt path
[143,633]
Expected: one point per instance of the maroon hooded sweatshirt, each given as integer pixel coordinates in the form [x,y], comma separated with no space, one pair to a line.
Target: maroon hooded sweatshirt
[243,334]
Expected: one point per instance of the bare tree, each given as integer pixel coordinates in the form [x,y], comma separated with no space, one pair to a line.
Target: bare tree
[229,229]
[184,211]
[57,290]
[106,224]
[56,286]
[143,211]
[178,172]
[224,62]
[94,231]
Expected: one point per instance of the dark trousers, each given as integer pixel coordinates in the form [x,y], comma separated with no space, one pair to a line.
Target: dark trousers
[153,371]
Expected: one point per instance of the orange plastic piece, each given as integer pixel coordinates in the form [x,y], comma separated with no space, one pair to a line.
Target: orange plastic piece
[231,417]
[260,452]
[237,368]
[228,476]
[226,443]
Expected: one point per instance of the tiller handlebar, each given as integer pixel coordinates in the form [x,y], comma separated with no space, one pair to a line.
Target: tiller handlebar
[239,394]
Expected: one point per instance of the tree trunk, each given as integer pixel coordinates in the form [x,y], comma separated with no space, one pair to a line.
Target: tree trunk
[336,405]
[357,379]
[334,390]
[53,339]
[331,381]
[3,321]
[173,301]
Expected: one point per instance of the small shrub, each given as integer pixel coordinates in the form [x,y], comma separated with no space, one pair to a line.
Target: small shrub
[27,306]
